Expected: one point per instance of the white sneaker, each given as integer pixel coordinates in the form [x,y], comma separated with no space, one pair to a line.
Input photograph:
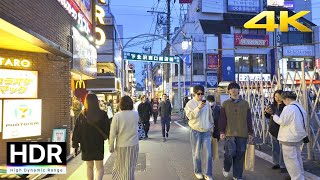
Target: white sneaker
[207,177]
[199,176]
[225,173]
[236,179]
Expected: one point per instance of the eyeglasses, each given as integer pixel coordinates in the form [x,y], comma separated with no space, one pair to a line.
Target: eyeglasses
[200,94]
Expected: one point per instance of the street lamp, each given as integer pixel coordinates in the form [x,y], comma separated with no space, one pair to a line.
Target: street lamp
[185,46]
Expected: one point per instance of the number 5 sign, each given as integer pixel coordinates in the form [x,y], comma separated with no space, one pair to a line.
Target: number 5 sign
[270,25]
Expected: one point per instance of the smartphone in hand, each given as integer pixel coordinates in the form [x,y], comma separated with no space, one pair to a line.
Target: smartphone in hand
[204,101]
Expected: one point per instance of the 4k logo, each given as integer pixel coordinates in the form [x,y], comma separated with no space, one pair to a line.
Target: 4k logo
[285,20]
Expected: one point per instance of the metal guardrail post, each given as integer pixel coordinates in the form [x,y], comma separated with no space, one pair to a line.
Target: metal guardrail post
[262,110]
[306,107]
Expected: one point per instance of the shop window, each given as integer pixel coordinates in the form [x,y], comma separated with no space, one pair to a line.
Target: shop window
[251,63]
[296,37]
[258,63]
[237,30]
[198,64]
[250,31]
[295,64]
[245,31]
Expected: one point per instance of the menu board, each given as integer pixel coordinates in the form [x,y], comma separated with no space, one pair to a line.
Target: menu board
[21,118]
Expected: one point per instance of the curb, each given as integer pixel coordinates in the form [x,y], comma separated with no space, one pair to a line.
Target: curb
[266,157]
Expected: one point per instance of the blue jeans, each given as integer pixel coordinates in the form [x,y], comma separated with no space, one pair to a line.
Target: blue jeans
[277,156]
[238,158]
[201,143]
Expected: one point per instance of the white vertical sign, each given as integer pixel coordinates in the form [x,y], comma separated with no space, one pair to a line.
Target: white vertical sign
[227,45]
[212,44]
[212,6]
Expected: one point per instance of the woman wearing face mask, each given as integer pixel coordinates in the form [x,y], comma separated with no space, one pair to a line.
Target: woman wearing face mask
[276,107]
[216,115]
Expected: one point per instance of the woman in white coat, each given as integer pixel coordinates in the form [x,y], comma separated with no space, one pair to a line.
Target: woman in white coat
[291,134]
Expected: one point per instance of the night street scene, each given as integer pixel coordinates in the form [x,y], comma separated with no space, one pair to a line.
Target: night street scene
[160,89]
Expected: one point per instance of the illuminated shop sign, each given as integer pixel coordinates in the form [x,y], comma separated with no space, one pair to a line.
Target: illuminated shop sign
[84,55]
[101,36]
[251,40]
[80,84]
[243,6]
[75,12]
[253,77]
[18,84]
[21,118]
[9,62]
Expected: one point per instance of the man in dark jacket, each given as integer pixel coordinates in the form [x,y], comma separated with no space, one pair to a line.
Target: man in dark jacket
[216,116]
[145,112]
[165,114]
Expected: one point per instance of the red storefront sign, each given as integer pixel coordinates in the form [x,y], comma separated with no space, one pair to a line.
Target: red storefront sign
[185,1]
[251,40]
[75,12]
[213,61]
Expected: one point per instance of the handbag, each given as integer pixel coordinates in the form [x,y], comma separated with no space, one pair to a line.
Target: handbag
[214,148]
[249,158]
[305,139]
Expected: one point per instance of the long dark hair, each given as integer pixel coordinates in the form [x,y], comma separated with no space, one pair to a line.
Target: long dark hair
[92,109]
[277,109]
[274,96]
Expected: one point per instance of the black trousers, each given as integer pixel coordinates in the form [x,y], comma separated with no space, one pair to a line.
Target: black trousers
[146,126]
[165,125]
[155,116]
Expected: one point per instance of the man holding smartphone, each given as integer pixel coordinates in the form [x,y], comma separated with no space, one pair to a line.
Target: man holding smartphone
[201,123]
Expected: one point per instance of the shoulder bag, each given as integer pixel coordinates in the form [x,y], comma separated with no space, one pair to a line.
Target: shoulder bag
[104,135]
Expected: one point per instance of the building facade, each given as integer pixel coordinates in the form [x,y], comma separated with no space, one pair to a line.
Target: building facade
[36,55]
[109,40]
[220,49]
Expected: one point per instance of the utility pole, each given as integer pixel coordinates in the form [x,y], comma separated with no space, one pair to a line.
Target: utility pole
[167,48]
[191,63]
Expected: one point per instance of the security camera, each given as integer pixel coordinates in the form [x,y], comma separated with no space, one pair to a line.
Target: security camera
[198,9]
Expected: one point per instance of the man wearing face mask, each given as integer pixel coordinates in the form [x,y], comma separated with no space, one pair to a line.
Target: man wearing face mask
[201,123]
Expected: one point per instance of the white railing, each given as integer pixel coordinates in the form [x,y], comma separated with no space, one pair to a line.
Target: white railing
[306,85]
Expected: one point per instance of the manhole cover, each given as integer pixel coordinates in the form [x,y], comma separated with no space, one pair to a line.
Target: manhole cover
[141,164]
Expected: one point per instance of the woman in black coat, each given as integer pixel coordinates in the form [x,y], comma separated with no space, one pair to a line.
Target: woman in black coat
[91,129]
[276,107]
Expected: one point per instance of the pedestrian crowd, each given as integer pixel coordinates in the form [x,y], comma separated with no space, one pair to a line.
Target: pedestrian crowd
[209,123]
